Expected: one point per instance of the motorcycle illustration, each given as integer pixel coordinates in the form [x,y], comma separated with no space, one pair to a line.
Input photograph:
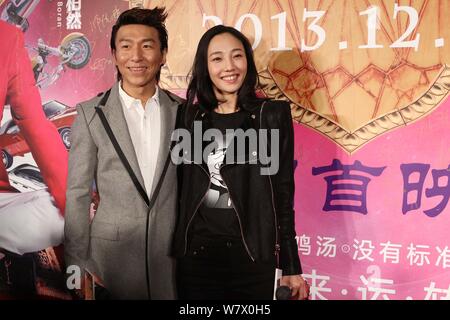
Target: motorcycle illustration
[74,52]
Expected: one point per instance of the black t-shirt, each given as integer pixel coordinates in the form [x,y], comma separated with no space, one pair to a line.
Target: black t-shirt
[216,216]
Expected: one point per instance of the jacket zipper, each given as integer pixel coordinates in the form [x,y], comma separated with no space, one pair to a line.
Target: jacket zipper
[232,202]
[236,210]
[196,209]
[277,245]
[203,198]
[237,215]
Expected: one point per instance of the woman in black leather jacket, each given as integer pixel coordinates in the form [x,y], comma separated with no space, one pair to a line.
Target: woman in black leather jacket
[236,179]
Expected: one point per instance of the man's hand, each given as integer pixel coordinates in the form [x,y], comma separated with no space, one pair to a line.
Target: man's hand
[89,283]
[86,292]
[95,200]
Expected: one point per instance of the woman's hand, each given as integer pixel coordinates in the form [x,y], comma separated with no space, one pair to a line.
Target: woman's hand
[299,286]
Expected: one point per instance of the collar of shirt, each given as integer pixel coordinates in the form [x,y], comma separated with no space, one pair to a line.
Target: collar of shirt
[128,101]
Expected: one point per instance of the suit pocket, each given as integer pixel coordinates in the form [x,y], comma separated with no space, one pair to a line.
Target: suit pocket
[104,230]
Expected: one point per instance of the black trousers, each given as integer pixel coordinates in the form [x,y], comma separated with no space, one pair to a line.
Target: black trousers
[221,269]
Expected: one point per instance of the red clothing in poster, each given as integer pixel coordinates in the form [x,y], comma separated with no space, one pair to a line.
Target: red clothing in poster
[17,88]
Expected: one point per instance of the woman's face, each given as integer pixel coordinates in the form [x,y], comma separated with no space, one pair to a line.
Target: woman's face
[227,64]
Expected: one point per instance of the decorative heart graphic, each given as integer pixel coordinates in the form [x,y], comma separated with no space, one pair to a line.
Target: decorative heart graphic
[352,95]
[352,70]
[352,140]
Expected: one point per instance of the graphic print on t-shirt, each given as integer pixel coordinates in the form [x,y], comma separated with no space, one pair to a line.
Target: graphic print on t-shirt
[217,196]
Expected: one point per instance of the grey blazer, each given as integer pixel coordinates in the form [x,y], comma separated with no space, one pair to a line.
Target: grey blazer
[112,246]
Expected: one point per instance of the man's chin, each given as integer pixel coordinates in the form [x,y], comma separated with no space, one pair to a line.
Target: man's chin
[140,83]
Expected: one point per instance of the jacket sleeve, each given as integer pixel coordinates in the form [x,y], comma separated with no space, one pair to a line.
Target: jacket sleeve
[82,168]
[283,187]
[40,134]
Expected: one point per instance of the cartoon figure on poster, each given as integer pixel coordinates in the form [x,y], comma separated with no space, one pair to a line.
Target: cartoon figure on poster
[74,52]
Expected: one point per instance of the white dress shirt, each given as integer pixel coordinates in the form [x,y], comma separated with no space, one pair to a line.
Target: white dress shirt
[144,125]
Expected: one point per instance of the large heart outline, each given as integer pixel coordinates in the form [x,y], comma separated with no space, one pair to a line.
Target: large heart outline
[352,141]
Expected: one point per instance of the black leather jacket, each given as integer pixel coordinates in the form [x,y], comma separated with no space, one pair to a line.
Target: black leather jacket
[263,203]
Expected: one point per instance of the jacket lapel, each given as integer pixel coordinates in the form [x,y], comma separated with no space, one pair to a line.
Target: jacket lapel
[168,117]
[116,119]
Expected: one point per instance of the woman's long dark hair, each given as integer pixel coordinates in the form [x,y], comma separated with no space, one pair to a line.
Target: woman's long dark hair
[201,86]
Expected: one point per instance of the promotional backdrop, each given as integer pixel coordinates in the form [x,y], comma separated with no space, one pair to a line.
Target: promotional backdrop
[368,82]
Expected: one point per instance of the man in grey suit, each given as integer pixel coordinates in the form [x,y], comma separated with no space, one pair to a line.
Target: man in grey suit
[126,244]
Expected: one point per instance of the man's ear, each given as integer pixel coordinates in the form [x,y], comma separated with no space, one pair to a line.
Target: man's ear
[113,54]
[164,57]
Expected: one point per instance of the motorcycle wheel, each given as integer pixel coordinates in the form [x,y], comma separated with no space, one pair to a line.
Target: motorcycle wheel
[77,41]
[65,136]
